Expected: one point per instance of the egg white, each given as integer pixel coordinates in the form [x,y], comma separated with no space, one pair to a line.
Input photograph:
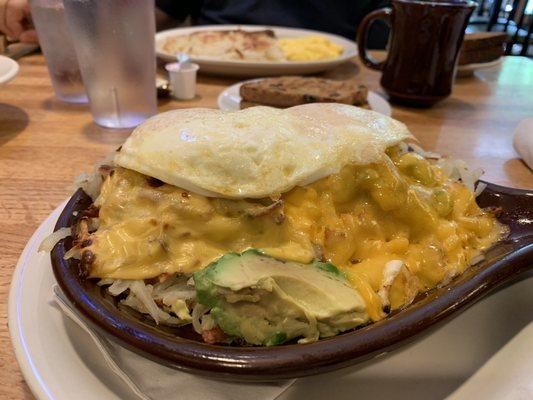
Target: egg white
[259,151]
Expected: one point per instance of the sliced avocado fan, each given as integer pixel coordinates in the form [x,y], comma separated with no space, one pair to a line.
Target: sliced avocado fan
[267,301]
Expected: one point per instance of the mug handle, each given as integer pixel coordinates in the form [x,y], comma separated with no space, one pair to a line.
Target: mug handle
[362,33]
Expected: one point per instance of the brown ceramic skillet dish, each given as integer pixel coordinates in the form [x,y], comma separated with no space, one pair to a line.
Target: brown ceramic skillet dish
[181,348]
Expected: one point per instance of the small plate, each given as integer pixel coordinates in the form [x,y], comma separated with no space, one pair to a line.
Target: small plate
[469,69]
[183,349]
[229,100]
[259,68]
[8,69]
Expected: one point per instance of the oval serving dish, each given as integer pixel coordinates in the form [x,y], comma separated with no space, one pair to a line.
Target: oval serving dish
[182,348]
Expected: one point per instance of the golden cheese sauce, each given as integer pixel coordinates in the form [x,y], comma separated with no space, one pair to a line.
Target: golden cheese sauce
[359,219]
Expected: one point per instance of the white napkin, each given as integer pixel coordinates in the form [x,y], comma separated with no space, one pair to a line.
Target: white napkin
[511,364]
[523,141]
[152,381]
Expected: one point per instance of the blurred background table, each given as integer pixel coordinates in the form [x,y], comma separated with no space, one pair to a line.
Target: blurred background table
[44,144]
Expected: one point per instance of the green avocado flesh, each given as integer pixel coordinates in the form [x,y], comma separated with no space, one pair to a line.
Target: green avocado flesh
[266,301]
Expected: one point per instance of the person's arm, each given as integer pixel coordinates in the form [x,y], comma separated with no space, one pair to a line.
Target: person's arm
[15,19]
[163,20]
[180,9]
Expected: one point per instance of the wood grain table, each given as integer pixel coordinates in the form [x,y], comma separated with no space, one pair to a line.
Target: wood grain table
[44,144]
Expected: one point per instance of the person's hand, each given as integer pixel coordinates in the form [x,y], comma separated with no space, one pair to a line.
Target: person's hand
[15,20]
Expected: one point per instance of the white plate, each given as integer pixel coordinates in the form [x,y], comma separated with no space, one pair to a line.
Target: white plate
[8,69]
[259,68]
[60,362]
[469,69]
[230,99]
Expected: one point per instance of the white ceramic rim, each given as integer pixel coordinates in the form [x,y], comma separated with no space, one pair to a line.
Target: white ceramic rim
[29,371]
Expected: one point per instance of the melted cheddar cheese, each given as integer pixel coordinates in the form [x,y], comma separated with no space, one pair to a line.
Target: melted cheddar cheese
[403,208]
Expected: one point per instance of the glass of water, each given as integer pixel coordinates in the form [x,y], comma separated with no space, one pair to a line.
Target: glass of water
[54,37]
[114,41]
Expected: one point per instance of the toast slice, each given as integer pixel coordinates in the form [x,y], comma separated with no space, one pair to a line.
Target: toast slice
[482,47]
[483,40]
[288,91]
[245,104]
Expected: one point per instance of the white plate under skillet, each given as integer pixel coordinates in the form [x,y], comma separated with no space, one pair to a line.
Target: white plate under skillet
[230,99]
[60,362]
[259,68]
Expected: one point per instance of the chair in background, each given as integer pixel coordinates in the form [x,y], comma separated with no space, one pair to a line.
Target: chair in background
[494,14]
[482,13]
[515,17]
[481,9]
[523,29]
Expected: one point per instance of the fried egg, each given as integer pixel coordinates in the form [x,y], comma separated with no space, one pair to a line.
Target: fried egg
[257,152]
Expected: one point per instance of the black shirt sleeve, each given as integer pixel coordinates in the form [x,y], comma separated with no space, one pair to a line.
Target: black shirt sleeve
[180,9]
[341,17]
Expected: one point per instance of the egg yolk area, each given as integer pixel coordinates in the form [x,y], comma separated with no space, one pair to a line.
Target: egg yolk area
[403,208]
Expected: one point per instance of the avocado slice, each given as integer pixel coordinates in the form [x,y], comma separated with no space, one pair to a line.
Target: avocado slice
[267,301]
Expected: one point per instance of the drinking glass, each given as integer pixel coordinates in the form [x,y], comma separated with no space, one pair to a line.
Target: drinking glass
[114,41]
[55,40]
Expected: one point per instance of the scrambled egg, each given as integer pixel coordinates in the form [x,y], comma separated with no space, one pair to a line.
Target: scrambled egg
[310,48]
[402,209]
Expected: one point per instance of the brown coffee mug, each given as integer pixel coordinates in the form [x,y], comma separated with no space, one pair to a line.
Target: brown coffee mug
[425,40]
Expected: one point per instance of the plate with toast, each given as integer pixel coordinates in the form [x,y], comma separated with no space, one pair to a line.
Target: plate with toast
[250,50]
[480,50]
[289,91]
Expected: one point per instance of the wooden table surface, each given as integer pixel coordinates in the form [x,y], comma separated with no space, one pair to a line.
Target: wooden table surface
[44,144]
